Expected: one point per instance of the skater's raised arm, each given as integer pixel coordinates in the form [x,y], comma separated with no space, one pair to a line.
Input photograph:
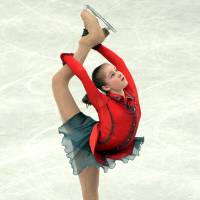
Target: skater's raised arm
[117,61]
[96,98]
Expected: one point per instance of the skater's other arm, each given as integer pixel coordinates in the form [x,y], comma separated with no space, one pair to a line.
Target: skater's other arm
[117,61]
[96,98]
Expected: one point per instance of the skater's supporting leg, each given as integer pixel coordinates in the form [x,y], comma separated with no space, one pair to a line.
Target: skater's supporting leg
[89,181]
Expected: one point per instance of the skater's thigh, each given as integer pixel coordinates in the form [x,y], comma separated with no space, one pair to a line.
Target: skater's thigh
[89,179]
[65,101]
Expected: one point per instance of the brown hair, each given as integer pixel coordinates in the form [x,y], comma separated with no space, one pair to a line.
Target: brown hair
[98,81]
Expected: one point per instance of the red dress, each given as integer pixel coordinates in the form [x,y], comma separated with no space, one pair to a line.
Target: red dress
[113,135]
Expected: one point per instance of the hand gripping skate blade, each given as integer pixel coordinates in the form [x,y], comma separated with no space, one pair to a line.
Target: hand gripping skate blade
[109,26]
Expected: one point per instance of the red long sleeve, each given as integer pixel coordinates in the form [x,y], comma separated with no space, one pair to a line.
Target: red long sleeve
[119,63]
[97,98]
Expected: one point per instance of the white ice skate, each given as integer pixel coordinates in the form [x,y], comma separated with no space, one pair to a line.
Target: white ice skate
[109,26]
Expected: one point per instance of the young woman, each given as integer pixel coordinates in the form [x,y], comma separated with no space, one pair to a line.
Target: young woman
[91,144]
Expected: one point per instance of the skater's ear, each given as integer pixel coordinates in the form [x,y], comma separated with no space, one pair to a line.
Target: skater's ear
[106,88]
[98,76]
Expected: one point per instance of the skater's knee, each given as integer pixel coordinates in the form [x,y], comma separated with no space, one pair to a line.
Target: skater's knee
[57,78]
[64,74]
[54,79]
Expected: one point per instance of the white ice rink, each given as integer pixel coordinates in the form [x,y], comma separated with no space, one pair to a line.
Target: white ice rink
[159,41]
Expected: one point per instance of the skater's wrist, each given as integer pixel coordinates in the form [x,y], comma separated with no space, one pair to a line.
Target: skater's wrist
[85,46]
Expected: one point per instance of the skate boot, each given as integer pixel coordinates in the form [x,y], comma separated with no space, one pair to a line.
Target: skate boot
[109,26]
[105,30]
[85,32]
[93,33]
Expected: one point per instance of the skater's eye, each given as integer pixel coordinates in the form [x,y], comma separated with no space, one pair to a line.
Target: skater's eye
[113,73]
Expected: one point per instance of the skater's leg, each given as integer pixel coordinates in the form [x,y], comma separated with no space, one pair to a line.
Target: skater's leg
[89,181]
[64,100]
[60,81]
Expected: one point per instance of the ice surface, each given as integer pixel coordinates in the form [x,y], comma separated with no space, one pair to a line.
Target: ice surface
[158,40]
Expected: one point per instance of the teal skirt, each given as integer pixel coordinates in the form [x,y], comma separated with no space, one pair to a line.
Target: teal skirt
[76,133]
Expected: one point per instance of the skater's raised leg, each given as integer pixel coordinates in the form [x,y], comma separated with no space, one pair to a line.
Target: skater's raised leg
[60,82]
[60,86]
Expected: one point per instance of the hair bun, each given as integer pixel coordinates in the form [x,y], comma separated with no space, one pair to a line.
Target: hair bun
[86,100]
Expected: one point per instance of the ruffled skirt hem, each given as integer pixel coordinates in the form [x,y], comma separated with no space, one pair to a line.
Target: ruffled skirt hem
[80,159]
[136,149]
[77,132]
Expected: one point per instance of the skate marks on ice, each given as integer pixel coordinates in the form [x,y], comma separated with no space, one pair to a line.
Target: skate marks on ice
[167,81]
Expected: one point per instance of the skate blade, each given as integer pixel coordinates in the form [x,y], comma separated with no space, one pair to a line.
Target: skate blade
[109,26]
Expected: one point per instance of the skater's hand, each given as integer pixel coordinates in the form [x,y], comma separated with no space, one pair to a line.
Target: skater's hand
[91,40]
[85,41]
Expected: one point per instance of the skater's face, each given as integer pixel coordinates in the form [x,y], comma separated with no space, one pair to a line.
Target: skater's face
[114,79]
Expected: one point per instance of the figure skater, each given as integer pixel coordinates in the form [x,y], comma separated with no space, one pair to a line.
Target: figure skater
[91,144]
